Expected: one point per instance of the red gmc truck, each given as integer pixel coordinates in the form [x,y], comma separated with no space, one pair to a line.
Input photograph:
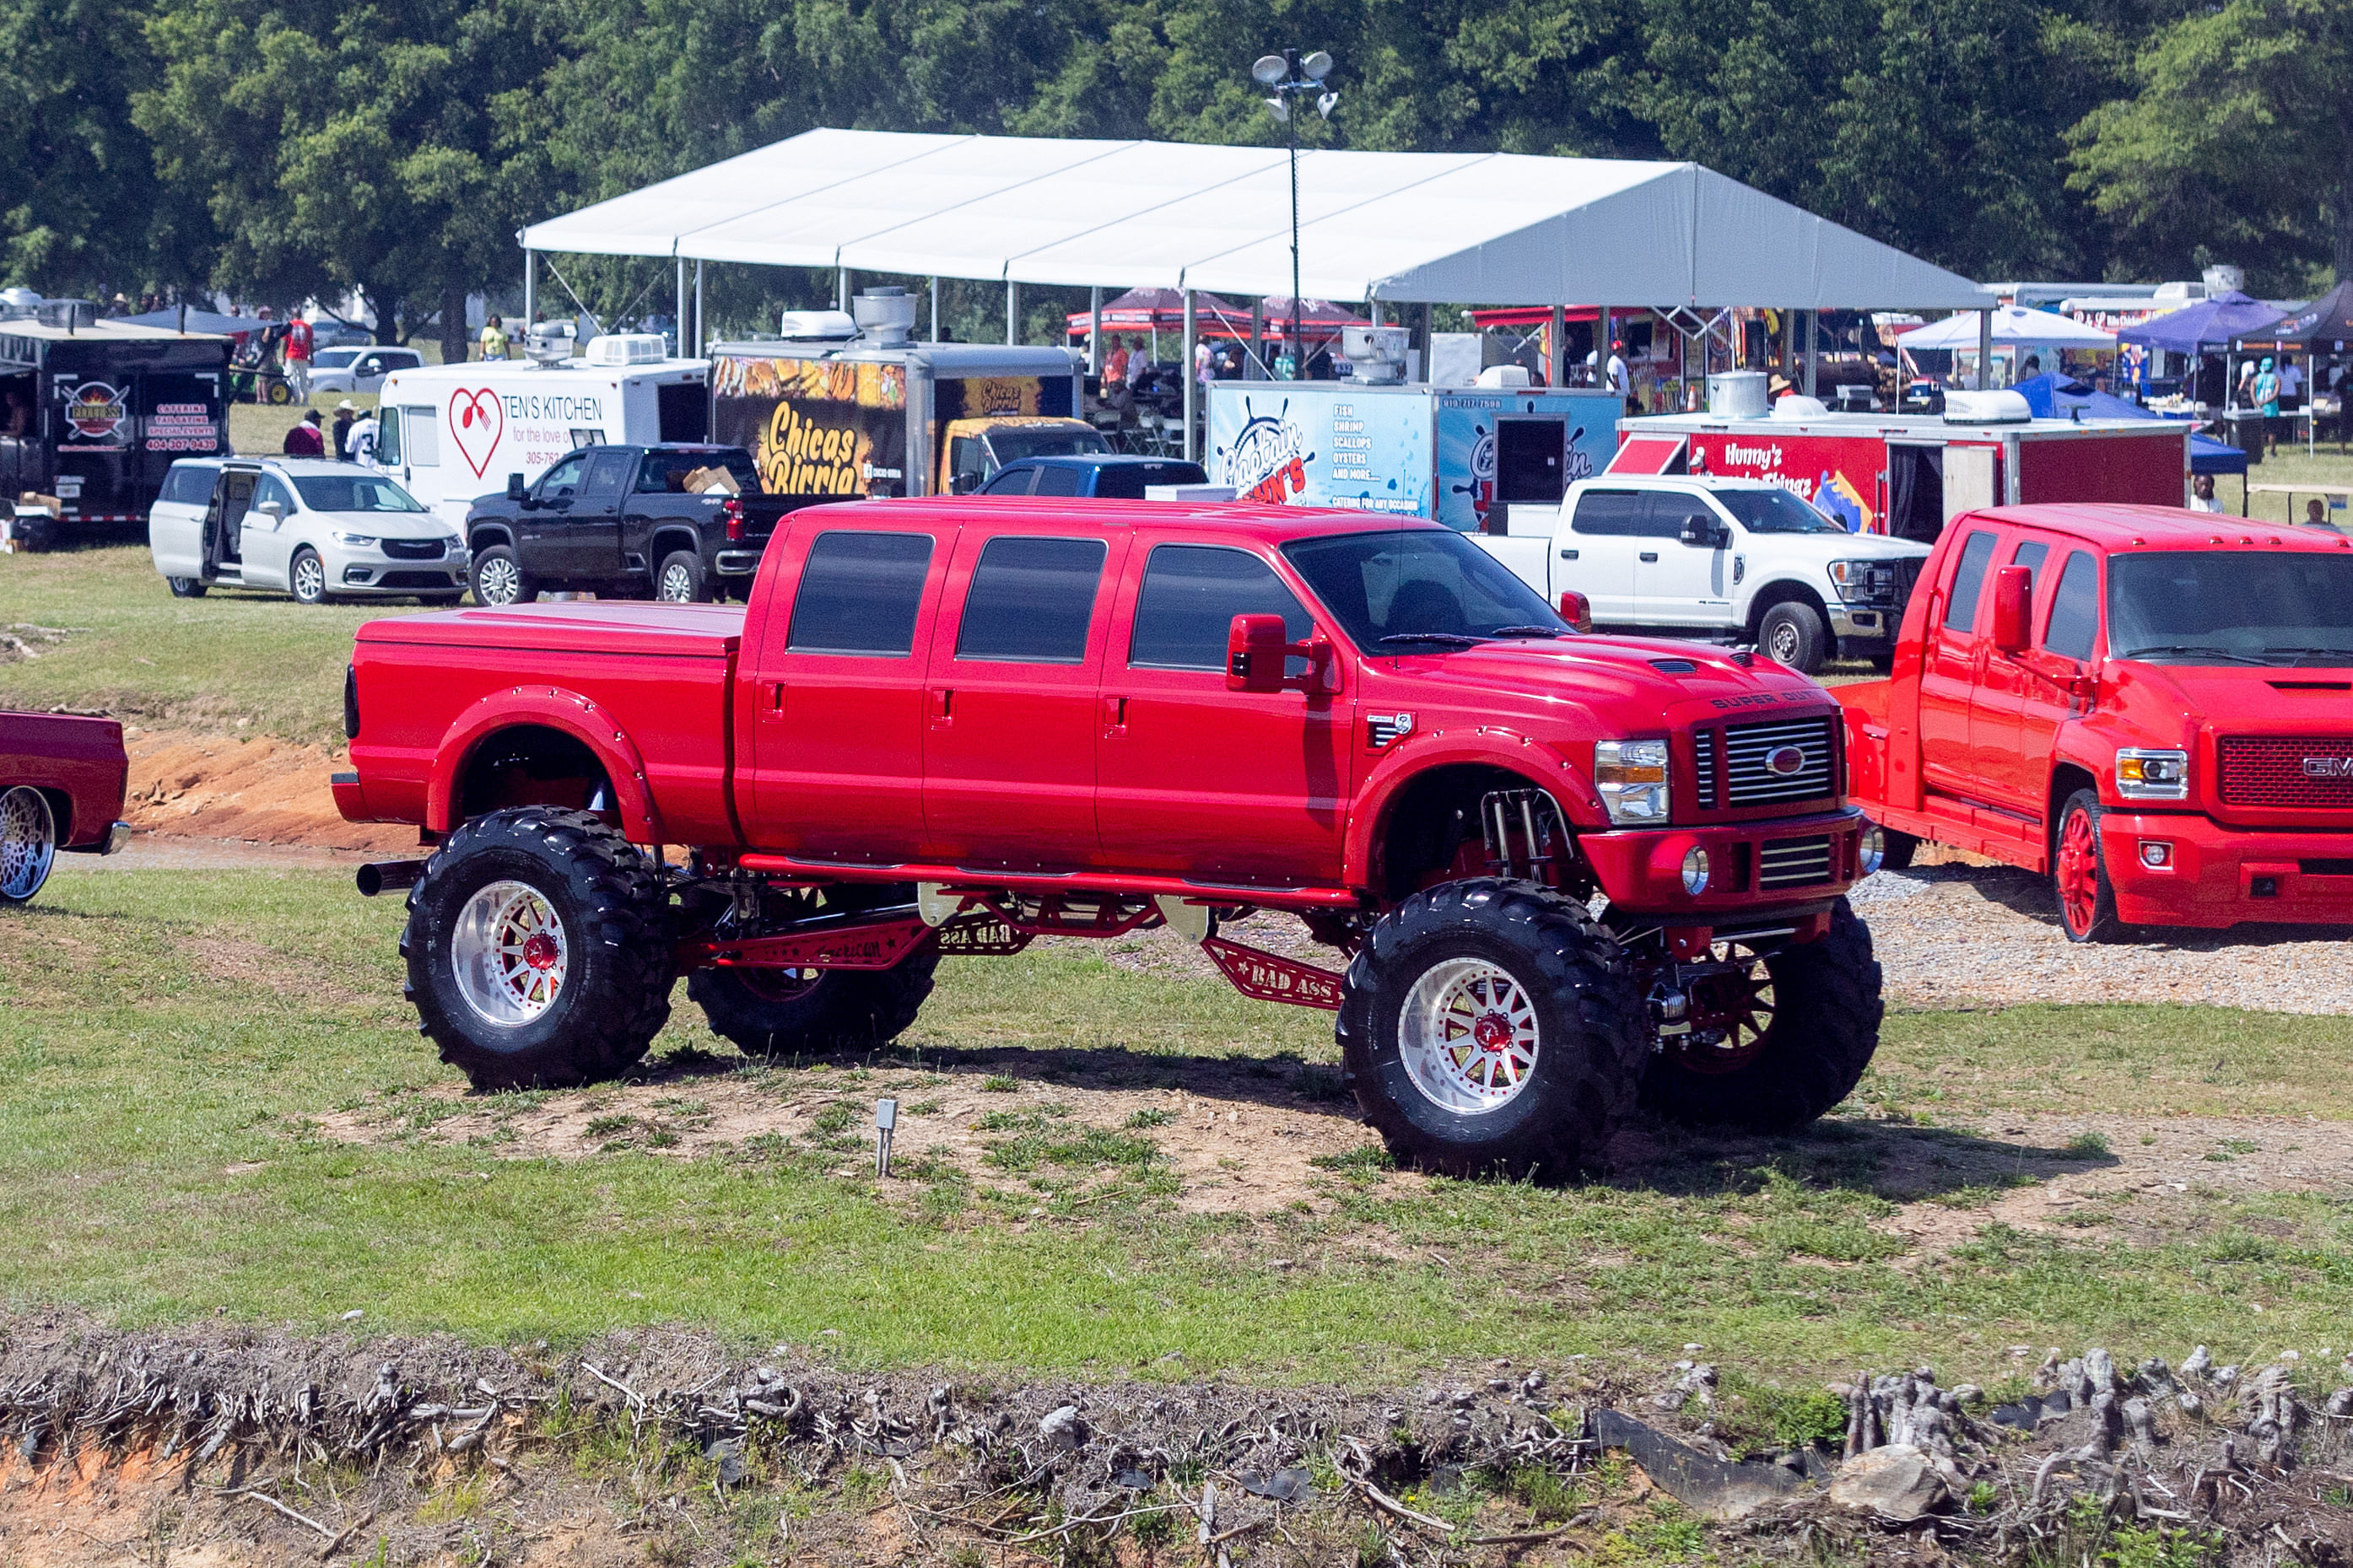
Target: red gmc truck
[2149,704]
[952,725]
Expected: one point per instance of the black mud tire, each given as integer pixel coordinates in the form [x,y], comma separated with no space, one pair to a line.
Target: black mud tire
[186,587]
[1792,633]
[1825,1029]
[680,580]
[842,1009]
[616,995]
[1589,1016]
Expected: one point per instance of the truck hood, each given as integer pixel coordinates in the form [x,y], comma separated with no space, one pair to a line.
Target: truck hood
[1597,685]
[2237,699]
[1841,547]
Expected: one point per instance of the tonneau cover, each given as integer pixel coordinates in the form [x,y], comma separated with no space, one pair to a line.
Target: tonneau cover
[711,631]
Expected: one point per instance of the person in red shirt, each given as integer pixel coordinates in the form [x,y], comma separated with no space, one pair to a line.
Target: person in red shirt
[298,341]
[306,440]
[1115,370]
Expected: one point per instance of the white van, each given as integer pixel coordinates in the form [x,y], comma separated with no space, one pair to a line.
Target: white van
[449,433]
[318,530]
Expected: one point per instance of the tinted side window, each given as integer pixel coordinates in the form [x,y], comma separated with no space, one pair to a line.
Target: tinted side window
[1057,480]
[1968,581]
[387,438]
[1190,596]
[187,485]
[271,488]
[1608,511]
[1031,601]
[565,478]
[2075,608]
[2031,554]
[1011,482]
[858,594]
[1668,511]
[609,472]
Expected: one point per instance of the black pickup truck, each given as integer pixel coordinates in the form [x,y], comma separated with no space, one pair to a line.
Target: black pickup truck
[627,521]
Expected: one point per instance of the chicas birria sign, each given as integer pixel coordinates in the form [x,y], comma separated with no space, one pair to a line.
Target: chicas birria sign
[814,427]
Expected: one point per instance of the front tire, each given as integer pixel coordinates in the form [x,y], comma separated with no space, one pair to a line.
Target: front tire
[306,577]
[28,843]
[1821,1006]
[537,950]
[499,580]
[1792,633]
[679,579]
[1492,1026]
[185,587]
[2079,873]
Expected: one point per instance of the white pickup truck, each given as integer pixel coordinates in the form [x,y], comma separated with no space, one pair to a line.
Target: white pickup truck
[1742,559]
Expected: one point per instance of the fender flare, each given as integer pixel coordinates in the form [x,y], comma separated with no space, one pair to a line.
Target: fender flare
[1538,762]
[552,708]
[490,531]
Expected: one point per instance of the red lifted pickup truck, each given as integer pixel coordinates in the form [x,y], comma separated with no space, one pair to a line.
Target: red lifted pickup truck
[2149,704]
[950,725]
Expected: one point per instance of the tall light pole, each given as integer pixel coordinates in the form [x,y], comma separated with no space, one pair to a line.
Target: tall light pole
[1289,78]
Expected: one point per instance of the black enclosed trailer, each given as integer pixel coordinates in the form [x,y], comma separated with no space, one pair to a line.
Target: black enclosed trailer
[94,414]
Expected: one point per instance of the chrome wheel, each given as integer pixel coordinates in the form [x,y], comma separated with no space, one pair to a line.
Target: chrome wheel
[677,586]
[1468,1036]
[509,953]
[1785,645]
[309,578]
[498,581]
[28,843]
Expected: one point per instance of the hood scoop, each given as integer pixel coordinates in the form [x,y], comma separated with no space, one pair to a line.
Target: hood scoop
[2310,685]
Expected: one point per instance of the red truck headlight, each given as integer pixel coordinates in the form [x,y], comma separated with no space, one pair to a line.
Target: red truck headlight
[2144,774]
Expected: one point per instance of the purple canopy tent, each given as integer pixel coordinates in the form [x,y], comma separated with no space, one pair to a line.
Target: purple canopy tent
[2215,321]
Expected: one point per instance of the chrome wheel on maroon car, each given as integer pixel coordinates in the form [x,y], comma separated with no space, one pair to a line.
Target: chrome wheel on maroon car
[28,843]
[1468,1036]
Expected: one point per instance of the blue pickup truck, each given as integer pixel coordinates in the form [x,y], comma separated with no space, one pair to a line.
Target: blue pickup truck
[1102,475]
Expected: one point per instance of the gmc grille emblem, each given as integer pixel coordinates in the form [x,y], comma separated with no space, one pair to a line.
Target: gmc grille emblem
[1785,761]
[2328,767]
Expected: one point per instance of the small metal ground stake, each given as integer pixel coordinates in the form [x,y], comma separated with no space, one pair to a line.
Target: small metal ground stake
[886,1117]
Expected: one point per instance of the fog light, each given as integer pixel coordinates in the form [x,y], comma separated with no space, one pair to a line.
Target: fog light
[1875,847]
[2264,887]
[2155,852]
[1695,871]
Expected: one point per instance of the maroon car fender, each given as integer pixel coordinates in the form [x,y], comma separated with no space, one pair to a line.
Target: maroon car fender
[1473,744]
[555,709]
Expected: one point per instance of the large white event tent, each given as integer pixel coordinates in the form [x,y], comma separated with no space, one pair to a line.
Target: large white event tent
[1390,228]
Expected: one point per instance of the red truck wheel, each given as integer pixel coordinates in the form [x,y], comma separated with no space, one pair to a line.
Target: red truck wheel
[774,1012]
[1492,1026]
[2087,901]
[1788,1062]
[537,950]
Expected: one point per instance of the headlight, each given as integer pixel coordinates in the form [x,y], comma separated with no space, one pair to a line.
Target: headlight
[1856,579]
[2152,775]
[354,540]
[1695,871]
[1632,778]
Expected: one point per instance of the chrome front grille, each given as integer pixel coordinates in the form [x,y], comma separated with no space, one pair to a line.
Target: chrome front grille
[1704,769]
[1794,862]
[1751,753]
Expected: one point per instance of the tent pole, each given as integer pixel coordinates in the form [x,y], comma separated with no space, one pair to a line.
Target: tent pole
[935,310]
[1094,331]
[1557,347]
[1813,353]
[841,289]
[698,308]
[530,287]
[1012,312]
[1192,384]
[1257,370]
[1984,350]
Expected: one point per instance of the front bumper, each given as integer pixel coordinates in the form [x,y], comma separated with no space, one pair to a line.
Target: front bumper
[2218,876]
[357,574]
[1756,868]
[1863,628]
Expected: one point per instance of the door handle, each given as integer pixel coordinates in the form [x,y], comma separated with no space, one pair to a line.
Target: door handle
[943,709]
[1114,716]
[1651,556]
[1569,556]
[775,708]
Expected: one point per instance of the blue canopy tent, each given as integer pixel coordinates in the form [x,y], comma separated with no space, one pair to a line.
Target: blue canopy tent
[2056,397]
[2211,322]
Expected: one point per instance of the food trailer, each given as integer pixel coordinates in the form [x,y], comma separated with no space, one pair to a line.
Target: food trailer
[1462,455]
[1907,476]
[105,408]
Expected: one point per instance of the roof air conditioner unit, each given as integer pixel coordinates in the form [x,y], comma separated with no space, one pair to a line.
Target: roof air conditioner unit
[1797,406]
[2002,408]
[627,348]
[886,317]
[817,327]
[1497,376]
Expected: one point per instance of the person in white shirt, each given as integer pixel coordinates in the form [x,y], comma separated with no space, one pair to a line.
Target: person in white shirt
[1617,379]
[359,442]
[1139,365]
[2201,494]
[2291,379]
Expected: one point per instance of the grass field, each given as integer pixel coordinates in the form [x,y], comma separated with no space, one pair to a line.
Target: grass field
[169,1042]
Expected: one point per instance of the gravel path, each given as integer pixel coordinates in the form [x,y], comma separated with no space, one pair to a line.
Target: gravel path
[1954,934]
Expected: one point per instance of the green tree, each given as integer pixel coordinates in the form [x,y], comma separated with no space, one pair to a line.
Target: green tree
[2239,138]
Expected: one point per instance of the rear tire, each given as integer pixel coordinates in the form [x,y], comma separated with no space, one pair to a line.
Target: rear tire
[28,843]
[1492,1026]
[1824,1033]
[2079,873]
[186,587]
[680,580]
[538,950]
[499,580]
[1792,633]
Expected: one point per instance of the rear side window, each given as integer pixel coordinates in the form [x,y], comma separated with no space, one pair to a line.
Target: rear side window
[2031,554]
[1968,582]
[1127,482]
[1190,596]
[858,594]
[1031,601]
[2075,609]
[187,485]
[608,473]
[1055,481]
[1010,482]
[1610,511]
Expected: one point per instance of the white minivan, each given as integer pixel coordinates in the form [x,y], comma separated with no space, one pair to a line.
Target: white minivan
[315,528]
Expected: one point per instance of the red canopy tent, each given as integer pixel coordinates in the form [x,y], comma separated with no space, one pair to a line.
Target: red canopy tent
[1163,309]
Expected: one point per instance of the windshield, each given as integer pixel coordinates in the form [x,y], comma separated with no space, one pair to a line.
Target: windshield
[1775,512]
[667,471]
[334,359]
[2231,606]
[1011,443]
[355,492]
[1394,589]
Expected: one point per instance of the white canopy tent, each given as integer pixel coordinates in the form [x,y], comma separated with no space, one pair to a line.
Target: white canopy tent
[1390,228]
[2013,327]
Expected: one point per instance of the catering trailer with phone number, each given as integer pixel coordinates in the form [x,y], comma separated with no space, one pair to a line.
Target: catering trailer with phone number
[1881,473]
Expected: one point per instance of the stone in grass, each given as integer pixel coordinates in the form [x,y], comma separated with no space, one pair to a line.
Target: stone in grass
[1895,1482]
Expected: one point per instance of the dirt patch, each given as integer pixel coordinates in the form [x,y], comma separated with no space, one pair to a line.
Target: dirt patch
[262,791]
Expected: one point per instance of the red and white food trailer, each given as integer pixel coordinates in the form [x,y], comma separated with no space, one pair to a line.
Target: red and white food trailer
[1907,476]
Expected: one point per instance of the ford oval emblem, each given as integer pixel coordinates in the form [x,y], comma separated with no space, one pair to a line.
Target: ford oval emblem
[1785,761]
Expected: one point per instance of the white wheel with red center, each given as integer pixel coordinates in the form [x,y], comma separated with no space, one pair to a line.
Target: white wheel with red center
[1468,1036]
[509,953]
